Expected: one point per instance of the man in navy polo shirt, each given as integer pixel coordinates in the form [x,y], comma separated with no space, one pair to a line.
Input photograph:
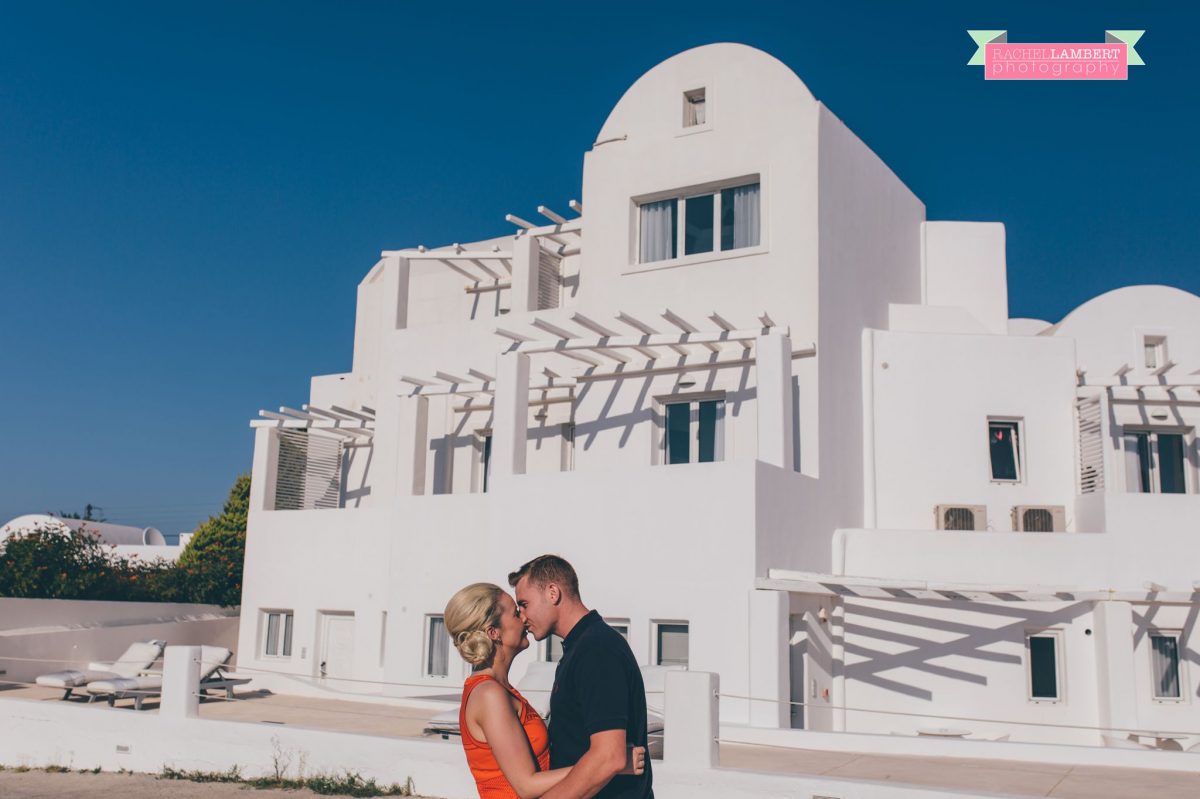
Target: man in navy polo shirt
[598,704]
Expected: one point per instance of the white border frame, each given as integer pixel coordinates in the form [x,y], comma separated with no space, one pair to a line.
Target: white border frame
[1180,666]
[1022,462]
[426,624]
[1059,667]
[1191,479]
[654,625]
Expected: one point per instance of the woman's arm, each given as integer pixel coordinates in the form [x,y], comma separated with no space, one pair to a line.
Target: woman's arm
[489,706]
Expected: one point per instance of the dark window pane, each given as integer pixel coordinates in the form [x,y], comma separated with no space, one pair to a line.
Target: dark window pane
[709,411]
[1143,450]
[677,432]
[1002,442]
[487,461]
[287,635]
[1043,668]
[698,225]
[1165,650]
[1170,464]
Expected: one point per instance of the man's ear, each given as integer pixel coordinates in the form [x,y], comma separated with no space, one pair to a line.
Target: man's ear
[554,594]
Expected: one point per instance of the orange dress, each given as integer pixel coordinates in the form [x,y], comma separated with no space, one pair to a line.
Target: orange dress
[489,778]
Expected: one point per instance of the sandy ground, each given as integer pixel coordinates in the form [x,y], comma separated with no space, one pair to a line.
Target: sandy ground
[44,785]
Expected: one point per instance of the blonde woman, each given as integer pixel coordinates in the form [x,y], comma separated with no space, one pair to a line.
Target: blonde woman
[506,742]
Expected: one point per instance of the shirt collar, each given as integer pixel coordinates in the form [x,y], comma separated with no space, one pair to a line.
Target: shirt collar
[590,618]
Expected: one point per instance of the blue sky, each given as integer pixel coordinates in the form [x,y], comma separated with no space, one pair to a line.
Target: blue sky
[190,192]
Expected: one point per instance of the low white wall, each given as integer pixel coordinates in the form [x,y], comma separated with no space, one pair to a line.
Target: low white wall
[38,734]
[56,634]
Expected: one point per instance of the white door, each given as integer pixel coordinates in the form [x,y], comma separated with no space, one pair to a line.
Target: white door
[337,646]
[818,668]
[797,646]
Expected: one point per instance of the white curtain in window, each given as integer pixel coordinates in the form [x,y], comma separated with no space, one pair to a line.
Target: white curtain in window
[658,231]
[746,217]
[439,648]
[1166,666]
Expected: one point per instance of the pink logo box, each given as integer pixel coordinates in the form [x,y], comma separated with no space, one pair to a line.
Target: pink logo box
[1057,61]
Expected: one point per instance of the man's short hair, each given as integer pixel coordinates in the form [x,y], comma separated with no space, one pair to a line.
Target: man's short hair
[546,569]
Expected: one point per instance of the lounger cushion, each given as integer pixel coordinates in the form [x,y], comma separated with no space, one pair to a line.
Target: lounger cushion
[74,679]
[118,685]
[138,657]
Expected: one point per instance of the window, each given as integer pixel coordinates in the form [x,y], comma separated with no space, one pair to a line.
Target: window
[694,430]
[1154,351]
[1154,462]
[278,639]
[483,460]
[552,651]
[671,643]
[1004,448]
[620,625]
[1164,664]
[712,221]
[1042,649]
[693,108]
[437,647]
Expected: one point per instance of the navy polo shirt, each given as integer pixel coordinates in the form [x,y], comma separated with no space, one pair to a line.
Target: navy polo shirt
[597,687]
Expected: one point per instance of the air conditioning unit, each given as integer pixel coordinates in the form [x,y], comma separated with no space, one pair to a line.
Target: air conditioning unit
[1039,518]
[961,517]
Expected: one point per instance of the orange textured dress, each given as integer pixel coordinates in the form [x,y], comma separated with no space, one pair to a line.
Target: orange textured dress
[488,777]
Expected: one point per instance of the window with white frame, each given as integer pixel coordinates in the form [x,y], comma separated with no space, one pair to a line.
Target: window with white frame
[1004,450]
[1164,665]
[693,429]
[552,649]
[1154,351]
[437,647]
[620,625]
[1155,461]
[671,643]
[694,110]
[277,634]
[709,221]
[1043,656]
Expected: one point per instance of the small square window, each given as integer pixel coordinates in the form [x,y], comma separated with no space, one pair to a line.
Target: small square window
[1154,351]
[277,641]
[437,647]
[694,112]
[671,643]
[1043,661]
[1004,450]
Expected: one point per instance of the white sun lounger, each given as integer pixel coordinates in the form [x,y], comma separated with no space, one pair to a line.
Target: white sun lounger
[148,684]
[136,659]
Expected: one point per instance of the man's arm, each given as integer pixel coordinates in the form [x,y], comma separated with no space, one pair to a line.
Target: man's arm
[604,759]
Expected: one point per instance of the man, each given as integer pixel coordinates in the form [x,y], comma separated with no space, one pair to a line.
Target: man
[599,702]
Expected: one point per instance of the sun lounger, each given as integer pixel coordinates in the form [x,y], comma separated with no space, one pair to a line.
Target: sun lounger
[136,659]
[149,684]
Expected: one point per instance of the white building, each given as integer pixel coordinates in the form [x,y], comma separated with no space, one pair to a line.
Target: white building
[744,393]
[126,541]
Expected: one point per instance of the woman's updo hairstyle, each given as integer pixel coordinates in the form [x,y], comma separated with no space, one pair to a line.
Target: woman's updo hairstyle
[468,615]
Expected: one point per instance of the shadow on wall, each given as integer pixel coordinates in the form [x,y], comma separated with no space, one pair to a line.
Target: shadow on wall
[875,644]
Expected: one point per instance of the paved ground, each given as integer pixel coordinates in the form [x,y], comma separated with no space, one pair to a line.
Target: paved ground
[43,785]
[1005,777]
[1017,778]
